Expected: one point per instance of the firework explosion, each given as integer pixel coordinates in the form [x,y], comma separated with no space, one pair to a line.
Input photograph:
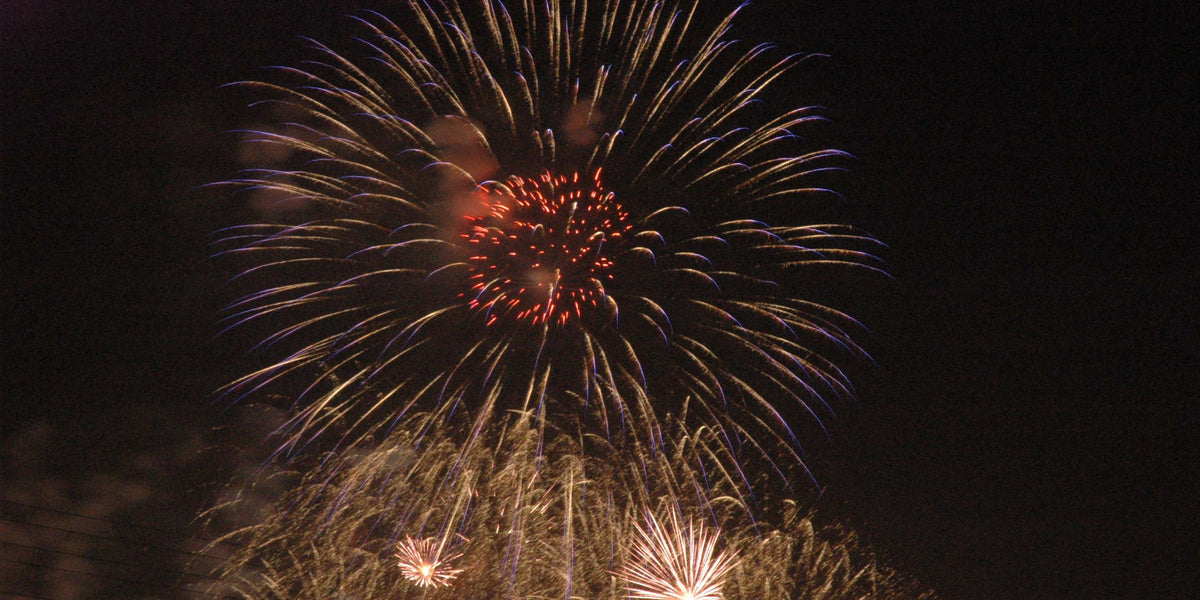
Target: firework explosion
[541,256]
[423,562]
[562,201]
[527,270]
[531,514]
[671,561]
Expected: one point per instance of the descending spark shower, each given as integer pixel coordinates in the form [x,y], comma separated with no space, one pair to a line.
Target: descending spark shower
[530,279]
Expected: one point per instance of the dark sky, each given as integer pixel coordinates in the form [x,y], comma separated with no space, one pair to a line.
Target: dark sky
[1030,431]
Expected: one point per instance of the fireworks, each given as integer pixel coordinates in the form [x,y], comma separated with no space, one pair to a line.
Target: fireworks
[423,562]
[539,286]
[673,561]
[557,203]
[531,513]
[539,250]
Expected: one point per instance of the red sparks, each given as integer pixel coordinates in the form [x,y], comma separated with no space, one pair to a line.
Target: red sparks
[540,251]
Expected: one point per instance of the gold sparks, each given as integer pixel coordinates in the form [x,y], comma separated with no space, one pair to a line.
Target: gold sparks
[423,562]
[675,561]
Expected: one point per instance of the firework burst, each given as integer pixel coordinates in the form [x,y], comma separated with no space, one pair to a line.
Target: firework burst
[542,200]
[424,563]
[541,254]
[531,514]
[676,561]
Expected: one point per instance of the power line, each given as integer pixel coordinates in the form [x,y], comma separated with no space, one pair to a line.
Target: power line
[109,577]
[110,561]
[119,540]
[7,595]
[137,550]
[176,532]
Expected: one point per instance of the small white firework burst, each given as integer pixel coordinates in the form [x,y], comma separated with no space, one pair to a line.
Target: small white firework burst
[675,561]
[423,562]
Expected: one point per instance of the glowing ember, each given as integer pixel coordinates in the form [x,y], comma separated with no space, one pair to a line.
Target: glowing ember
[541,250]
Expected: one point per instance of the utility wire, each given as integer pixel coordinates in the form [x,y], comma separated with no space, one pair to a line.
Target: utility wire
[119,540]
[111,561]
[7,595]
[109,577]
[59,511]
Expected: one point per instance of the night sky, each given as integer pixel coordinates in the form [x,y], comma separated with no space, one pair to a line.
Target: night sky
[1030,429]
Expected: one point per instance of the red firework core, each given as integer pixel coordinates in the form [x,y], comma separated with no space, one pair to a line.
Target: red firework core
[540,250]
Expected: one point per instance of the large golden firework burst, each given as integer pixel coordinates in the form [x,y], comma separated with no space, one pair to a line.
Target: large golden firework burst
[494,206]
[542,271]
